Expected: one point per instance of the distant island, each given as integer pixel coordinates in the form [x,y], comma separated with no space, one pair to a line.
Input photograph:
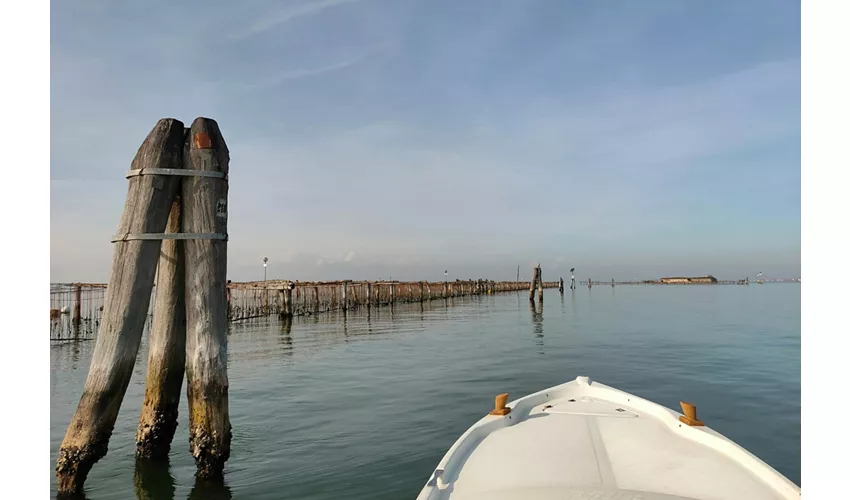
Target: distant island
[678,280]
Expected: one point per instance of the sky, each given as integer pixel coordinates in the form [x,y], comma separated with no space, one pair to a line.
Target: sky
[400,138]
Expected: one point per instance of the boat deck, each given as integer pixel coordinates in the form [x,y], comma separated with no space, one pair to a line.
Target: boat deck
[587,440]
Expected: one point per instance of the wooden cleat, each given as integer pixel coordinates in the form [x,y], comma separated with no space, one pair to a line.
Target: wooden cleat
[500,408]
[690,415]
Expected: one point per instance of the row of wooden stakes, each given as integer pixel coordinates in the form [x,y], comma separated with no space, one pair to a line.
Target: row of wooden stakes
[288,298]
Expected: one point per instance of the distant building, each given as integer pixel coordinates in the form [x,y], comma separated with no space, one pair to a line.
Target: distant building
[688,281]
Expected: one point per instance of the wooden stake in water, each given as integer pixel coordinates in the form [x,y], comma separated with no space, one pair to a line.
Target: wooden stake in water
[540,283]
[229,301]
[125,307]
[205,212]
[167,355]
[78,301]
[535,273]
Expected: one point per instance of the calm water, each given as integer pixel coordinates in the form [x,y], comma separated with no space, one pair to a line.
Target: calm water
[365,405]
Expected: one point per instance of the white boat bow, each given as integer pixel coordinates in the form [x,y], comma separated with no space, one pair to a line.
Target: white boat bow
[585,440]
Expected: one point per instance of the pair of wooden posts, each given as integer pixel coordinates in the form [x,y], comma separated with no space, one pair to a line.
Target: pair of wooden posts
[174,229]
[536,283]
[285,292]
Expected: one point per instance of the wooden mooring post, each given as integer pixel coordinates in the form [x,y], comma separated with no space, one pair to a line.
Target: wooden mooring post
[167,349]
[540,284]
[149,201]
[285,297]
[205,212]
[536,283]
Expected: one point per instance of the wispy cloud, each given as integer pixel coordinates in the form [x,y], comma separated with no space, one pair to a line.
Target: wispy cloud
[287,14]
[294,74]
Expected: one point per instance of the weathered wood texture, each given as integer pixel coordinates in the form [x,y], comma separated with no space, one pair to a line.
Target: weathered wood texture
[205,212]
[149,200]
[167,349]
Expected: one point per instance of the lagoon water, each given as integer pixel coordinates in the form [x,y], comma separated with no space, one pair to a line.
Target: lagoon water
[364,405]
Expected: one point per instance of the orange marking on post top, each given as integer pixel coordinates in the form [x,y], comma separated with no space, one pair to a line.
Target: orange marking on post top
[203,141]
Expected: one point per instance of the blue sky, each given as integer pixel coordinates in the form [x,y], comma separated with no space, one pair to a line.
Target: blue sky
[378,138]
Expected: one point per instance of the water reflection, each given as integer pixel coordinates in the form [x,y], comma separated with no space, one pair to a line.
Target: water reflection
[286,325]
[210,489]
[369,320]
[285,338]
[537,322]
[153,480]
[67,354]
[537,317]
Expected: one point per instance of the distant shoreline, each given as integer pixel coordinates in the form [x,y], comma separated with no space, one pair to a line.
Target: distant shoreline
[270,282]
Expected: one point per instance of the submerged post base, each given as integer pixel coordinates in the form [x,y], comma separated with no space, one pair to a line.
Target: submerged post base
[210,452]
[153,440]
[73,467]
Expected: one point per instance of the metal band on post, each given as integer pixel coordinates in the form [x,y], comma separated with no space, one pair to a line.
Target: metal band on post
[169,236]
[176,171]
[180,172]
